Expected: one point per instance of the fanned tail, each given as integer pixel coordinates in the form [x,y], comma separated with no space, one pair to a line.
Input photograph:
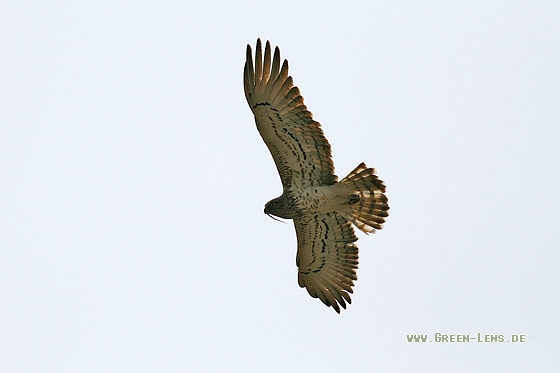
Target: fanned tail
[367,206]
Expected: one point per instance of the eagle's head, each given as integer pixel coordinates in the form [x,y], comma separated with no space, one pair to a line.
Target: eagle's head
[278,207]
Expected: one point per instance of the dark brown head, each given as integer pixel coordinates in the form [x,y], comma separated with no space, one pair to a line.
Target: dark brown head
[278,207]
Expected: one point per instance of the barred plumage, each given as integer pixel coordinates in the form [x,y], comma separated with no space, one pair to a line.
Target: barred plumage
[322,208]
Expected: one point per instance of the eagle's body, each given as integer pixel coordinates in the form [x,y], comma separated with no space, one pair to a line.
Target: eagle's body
[297,202]
[322,207]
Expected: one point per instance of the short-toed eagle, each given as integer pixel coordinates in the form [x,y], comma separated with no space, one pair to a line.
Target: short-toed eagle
[321,207]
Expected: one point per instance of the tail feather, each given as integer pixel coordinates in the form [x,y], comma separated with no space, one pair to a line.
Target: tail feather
[367,206]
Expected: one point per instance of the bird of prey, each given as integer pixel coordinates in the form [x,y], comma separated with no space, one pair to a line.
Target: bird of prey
[321,207]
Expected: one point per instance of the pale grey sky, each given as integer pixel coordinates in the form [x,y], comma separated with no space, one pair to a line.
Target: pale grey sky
[133,180]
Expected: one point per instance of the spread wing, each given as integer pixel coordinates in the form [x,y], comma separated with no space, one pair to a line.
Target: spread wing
[327,257]
[300,150]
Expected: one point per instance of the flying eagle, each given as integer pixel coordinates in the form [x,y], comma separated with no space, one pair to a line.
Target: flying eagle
[321,207]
